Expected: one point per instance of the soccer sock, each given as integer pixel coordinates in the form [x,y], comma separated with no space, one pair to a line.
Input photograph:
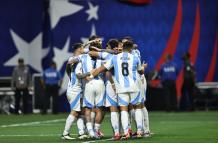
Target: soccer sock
[90,128]
[146,120]
[93,117]
[125,121]
[69,121]
[97,127]
[138,114]
[115,121]
[132,115]
[81,126]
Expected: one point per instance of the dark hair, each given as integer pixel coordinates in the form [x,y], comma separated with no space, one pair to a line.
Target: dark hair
[128,38]
[93,37]
[128,45]
[20,60]
[113,43]
[76,46]
[169,57]
[52,63]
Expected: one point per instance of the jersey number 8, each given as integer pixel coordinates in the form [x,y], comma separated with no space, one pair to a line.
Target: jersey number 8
[125,71]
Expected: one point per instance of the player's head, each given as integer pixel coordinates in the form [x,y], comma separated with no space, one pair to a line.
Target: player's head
[52,64]
[20,62]
[127,38]
[77,48]
[97,44]
[127,46]
[112,44]
[169,57]
[186,56]
[135,46]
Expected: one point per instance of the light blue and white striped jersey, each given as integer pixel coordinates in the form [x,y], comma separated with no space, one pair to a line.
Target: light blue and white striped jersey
[105,56]
[136,52]
[74,81]
[89,64]
[126,66]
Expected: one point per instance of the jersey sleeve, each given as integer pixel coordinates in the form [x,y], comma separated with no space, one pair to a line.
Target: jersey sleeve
[105,55]
[78,69]
[139,66]
[109,64]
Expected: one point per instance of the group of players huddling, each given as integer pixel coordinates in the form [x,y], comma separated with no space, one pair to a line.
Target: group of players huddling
[111,77]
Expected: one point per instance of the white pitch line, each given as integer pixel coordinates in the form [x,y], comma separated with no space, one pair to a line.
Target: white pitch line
[32,123]
[110,139]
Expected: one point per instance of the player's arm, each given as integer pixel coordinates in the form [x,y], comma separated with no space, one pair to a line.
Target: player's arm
[80,75]
[97,71]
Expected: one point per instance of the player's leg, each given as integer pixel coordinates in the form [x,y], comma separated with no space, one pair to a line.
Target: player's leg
[99,103]
[136,102]
[112,103]
[123,101]
[74,100]
[88,103]
[146,127]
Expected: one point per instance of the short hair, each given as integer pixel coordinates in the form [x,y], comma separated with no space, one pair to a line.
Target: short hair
[93,37]
[113,43]
[77,46]
[129,38]
[169,57]
[20,60]
[128,45]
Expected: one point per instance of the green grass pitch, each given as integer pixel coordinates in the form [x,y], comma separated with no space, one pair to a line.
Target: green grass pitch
[184,127]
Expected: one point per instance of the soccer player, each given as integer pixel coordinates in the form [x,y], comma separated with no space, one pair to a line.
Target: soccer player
[74,93]
[143,87]
[111,96]
[125,66]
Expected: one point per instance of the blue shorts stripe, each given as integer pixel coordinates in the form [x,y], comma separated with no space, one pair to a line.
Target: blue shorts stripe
[73,104]
[136,100]
[121,101]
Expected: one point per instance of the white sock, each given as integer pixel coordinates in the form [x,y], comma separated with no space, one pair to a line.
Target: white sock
[132,115]
[125,121]
[115,121]
[97,127]
[93,117]
[69,121]
[138,114]
[81,126]
[90,128]
[146,120]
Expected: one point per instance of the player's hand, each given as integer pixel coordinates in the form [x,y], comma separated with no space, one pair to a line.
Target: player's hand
[145,65]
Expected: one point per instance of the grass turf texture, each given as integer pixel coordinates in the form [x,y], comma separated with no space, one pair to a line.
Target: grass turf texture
[185,127]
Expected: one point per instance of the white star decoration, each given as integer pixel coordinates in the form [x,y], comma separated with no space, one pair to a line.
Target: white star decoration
[92,12]
[61,55]
[32,52]
[61,8]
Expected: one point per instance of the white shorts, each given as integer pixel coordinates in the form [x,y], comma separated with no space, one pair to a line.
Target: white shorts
[94,94]
[111,96]
[74,96]
[124,99]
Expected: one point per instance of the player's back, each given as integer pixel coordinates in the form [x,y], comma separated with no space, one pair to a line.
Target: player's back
[125,70]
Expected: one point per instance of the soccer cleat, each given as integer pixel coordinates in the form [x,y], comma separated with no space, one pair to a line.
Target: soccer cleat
[147,135]
[84,136]
[127,135]
[139,134]
[117,136]
[99,134]
[67,137]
